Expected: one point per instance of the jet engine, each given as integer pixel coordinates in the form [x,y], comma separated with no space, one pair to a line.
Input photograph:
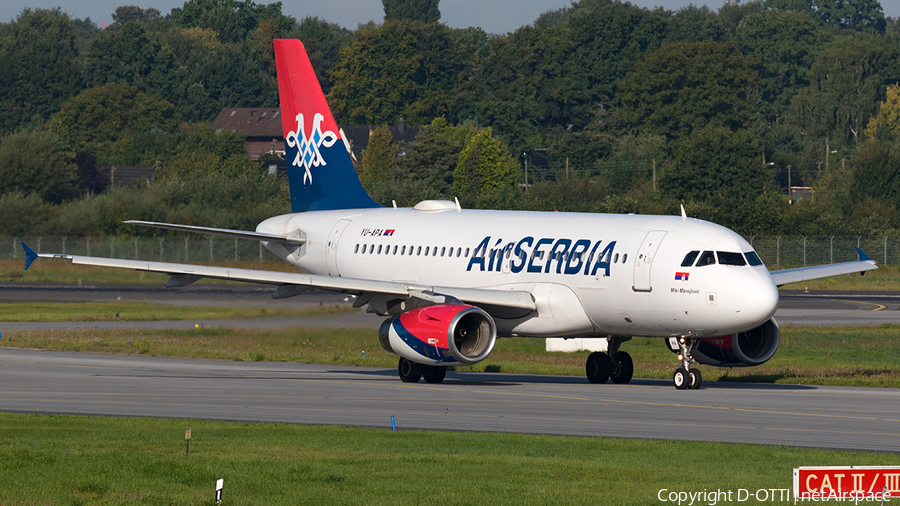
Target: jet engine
[441,334]
[744,349]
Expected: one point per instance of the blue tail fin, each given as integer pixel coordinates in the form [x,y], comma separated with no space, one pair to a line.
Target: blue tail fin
[320,173]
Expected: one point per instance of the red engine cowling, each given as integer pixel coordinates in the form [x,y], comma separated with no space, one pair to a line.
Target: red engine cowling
[745,349]
[445,334]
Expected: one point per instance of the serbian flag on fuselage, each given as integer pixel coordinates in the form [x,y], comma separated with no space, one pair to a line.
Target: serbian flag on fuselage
[682,277]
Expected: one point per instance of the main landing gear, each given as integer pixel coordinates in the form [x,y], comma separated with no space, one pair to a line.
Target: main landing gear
[411,372]
[616,365]
[687,377]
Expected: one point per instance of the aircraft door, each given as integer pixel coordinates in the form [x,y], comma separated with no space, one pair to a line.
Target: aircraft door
[331,249]
[644,260]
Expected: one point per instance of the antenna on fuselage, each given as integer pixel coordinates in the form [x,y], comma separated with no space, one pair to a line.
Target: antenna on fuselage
[458,207]
[683,214]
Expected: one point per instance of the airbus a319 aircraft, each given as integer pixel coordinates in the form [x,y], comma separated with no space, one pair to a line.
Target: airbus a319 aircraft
[453,280]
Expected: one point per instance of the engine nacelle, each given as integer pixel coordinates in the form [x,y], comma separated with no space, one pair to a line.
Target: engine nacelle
[441,334]
[745,349]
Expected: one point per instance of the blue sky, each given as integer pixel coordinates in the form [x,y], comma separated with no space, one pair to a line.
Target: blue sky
[495,16]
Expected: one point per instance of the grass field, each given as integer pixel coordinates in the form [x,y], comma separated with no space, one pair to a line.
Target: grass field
[82,460]
[857,356]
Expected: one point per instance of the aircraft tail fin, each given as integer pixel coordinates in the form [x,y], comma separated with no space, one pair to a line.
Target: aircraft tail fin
[321,175]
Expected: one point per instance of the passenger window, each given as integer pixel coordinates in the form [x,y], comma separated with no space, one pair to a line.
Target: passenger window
[395,249]
[356,249]
[753,258]
[467,252]
[379,249]
[624,257]
[689,259]
[730,258]
[427,249]
[418,251]
[403,250]
[616,259]
[443,250]
[434,252]
[707,258]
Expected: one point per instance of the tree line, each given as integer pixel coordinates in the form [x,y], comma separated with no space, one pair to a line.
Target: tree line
[602,106]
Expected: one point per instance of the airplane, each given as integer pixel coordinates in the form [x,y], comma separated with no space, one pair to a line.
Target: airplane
[452,281]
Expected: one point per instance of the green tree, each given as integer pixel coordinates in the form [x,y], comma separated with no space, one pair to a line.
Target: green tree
[485,168]
[695,24]
[784,44]
[130,55]
[200,150]
[875,173]
[886,124]
[719,173]
[37,162]
[858,15]
[401,69]
[684,86]
[101,120]
[426,11]
[846,80]
[233,20]
[41,66]
[379,157]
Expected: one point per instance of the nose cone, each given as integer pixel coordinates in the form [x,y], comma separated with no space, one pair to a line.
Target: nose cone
[755,298]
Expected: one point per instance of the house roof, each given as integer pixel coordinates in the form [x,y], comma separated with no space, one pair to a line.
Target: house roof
[251,121]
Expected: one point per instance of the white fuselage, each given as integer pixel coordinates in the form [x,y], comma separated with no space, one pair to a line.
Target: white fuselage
[589,274]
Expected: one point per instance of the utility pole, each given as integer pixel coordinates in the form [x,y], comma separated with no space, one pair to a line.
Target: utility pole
[654,175]
[790,193]
[827,149]
[567,167]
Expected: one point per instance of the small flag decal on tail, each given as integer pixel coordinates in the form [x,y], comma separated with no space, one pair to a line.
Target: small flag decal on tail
[389,232]
[682,277]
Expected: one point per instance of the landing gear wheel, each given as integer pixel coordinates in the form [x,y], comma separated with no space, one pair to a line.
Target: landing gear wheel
[681,379]
[434,373]
[696,379]
[622,368]
[410,372]
[598,367]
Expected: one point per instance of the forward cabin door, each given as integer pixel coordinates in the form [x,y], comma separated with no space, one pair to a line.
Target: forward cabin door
[644,260]
[331,250]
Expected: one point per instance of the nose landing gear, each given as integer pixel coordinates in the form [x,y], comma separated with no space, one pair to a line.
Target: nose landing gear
[687,377]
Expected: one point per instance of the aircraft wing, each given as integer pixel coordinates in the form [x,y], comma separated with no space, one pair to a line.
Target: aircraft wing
[786,276]
[380,295]
[225,232]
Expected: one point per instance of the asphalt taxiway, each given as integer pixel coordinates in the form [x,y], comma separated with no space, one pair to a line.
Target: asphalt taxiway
[847,418]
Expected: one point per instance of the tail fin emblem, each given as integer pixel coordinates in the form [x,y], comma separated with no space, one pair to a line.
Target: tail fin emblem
[308,154]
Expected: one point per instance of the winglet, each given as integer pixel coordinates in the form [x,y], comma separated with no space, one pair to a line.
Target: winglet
[863,257]
[30,255]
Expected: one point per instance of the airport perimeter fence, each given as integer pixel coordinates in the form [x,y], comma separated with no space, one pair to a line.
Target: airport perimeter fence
[790,251]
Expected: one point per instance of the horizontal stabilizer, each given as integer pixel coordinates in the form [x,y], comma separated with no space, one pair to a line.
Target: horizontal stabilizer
[225,232]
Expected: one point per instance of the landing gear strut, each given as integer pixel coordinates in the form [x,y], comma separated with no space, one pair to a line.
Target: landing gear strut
[616,365]
[686,376]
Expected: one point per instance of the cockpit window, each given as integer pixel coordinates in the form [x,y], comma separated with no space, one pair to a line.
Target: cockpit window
[707,258]
[689,259]
[753,258]
[730,258]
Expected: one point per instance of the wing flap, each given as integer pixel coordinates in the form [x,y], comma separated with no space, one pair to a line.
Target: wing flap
[293,283]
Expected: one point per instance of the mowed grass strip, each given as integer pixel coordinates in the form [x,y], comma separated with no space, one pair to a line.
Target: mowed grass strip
[141,311]
[849,356]
[90,460]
